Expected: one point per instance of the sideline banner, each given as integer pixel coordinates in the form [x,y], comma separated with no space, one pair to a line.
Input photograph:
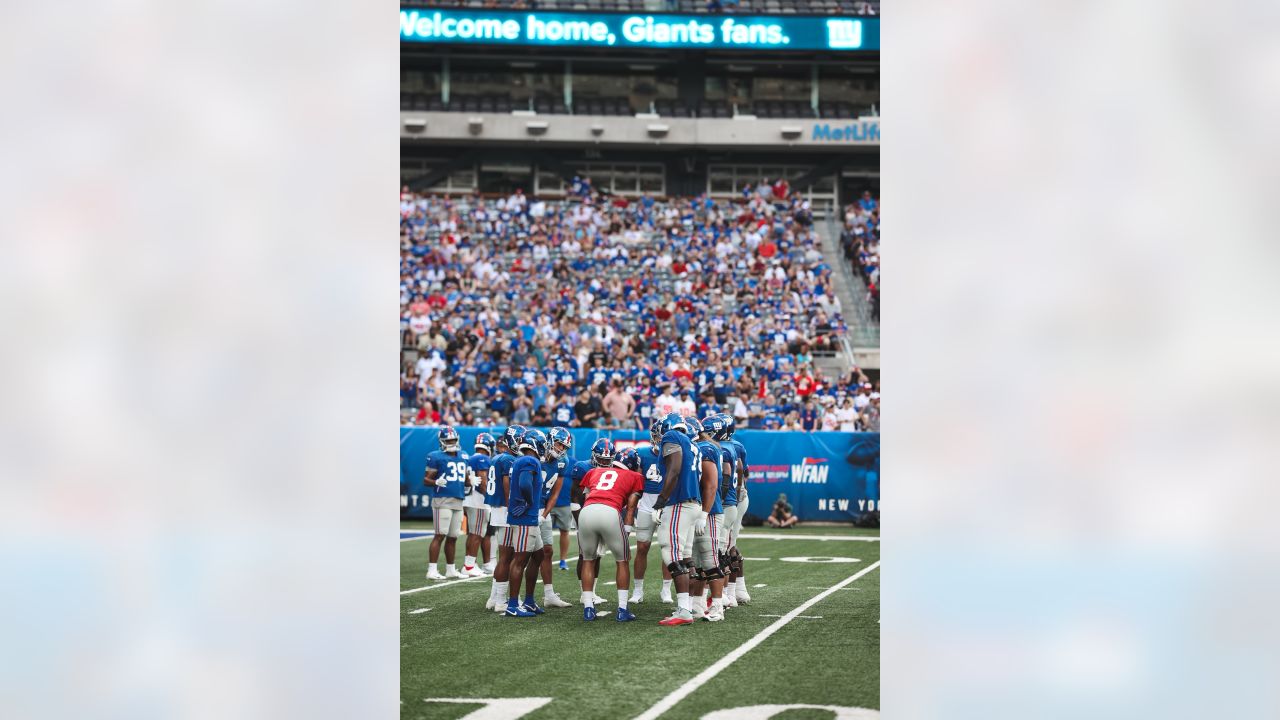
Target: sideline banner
[833,476]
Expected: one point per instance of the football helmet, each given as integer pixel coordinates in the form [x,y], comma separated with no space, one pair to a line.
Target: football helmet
[511,436]
[602,454]
[559,441]
[534,440]
[673,421]
[449,440]
[628,459]
[485,442]
[692,427]
[713,425]
[655,433]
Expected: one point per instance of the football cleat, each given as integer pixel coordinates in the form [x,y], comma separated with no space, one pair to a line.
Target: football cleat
[434,574]
[519,612]
[625,615]
[715,614]
[533,607]
[476,571]
[500,606]
[488,604]
[588,613]
[564,565]
[665,596]
[742,596]
[676,619]
[698,611]
[599,600]
[636,598]
[554,600]
[452,572]
[730,600]
[489,566]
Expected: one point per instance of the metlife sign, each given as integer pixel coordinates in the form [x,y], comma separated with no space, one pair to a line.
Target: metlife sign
[539,29]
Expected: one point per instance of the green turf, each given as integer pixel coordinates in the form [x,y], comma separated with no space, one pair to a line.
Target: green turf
[617,671]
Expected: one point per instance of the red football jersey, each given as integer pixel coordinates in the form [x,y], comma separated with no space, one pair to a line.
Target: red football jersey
[612,486]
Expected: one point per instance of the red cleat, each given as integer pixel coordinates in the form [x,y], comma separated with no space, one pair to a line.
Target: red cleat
[674,620]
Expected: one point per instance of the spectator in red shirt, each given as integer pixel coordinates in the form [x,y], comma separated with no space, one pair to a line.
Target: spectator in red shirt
[804,384]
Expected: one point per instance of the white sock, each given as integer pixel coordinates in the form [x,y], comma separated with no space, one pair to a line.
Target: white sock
[683,602]
[493,591]
[742,584]
[547,590]
[469,562]
[588,599]
[622,599]
[593,585]
[639,587]
[666,586]
[717,603]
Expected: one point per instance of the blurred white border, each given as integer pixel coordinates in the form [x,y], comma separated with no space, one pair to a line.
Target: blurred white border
[195,202]
[1084,323]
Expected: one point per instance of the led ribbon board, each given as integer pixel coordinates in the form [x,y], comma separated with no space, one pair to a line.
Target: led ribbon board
[707,32]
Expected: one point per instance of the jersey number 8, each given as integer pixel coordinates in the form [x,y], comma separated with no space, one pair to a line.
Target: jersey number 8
[607,479]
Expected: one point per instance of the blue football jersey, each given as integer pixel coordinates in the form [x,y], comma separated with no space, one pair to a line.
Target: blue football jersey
[690,459]
[651,468]
[522,500]
[479,462]
[576,474]
[740,456]
[711,452]
[728,474]
[451,467]
[501,466]
[551,470]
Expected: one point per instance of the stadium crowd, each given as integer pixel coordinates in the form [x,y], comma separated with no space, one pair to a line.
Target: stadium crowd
[600,311]
[860,239]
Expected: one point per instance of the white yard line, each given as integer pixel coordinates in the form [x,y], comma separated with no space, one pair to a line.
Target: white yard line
[419,537]
[802,617]
[701,678]
[786,536]
[419,611]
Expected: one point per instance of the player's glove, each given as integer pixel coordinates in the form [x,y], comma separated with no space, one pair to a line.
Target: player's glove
[626,529]
[700,524]
[441,482]
[542,515]
[575,507]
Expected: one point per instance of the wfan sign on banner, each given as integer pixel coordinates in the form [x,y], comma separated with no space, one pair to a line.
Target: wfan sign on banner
[825,475]
[656,30]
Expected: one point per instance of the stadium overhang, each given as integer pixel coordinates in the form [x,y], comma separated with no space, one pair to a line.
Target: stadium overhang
[808,135]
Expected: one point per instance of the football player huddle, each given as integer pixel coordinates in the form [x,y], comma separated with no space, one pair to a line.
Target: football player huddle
[688,488]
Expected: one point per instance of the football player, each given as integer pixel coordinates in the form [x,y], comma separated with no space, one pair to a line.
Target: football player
[715,425]
[602,455]
[447,470]
[738,576]
[474,505]
[604,521]
[683,511]
[501,472]
[647,515]
[563,512]
[707,545]
[554,471]
[524,511]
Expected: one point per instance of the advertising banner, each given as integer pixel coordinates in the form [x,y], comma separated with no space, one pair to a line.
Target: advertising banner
[833,476]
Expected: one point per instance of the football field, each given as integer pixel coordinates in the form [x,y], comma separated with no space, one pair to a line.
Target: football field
[810,636]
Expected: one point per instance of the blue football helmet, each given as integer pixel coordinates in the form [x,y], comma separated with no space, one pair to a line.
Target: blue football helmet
[534,440]
[602,453]
[511,436]
[693,427]
[655,433]
[485,442]
[449,440]
[628,459]
[560,441]
[729,424]
[713,425]
[673,421]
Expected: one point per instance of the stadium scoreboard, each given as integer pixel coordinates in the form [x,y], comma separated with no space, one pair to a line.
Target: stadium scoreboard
[649,31]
